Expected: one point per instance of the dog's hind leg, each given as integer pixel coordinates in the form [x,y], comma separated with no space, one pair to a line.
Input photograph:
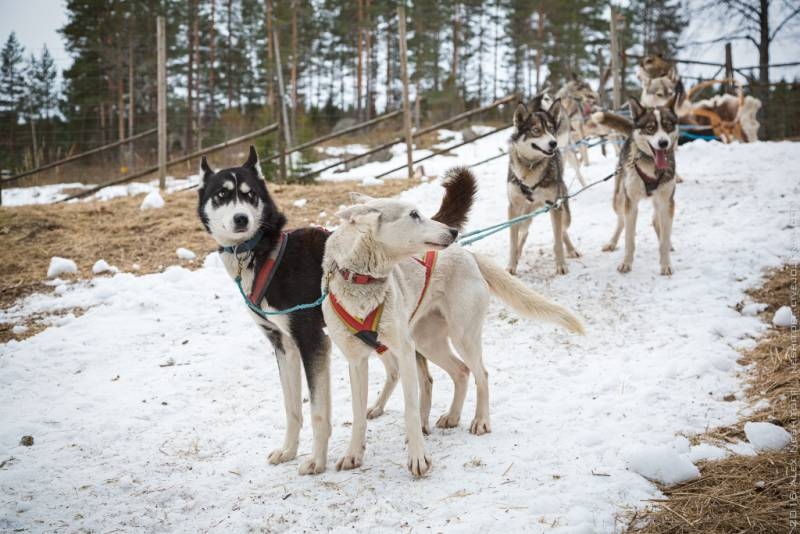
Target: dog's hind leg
[359,384]
[425,392]
[288,357]
[430,336]
[468,344]
[316,350]
[390,365]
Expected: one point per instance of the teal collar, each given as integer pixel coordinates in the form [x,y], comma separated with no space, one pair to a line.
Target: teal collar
[247,246]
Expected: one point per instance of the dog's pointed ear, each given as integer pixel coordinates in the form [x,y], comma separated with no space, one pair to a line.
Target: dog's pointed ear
[252,159]
[555,110]
[520,114]
[636,108]
[575,76]
[205,169]
[359,198]
[359,215]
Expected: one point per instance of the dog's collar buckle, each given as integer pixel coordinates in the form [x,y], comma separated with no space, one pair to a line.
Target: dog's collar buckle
[356,278]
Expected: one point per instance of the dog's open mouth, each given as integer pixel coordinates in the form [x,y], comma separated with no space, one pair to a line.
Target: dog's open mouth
[660,158]
[437,246]
[543,151]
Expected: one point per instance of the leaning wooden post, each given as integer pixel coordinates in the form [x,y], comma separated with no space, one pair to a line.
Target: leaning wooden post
[401,19]
[286,139]
[615,63]
[728,87]
[161,43]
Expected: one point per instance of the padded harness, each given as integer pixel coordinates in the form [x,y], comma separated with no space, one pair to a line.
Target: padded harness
[366,329]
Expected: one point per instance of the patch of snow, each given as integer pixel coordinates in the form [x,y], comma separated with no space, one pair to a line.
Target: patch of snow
[704,451]
[19,329]
[662,464]
[754,308]
[784,317]
[300,203]
[102,266]
[185,254]
[372,181]
[742,448]
[60,266]
[766,436]
[152,200]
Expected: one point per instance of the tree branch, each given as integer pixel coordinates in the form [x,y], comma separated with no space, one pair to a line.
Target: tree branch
[783,23]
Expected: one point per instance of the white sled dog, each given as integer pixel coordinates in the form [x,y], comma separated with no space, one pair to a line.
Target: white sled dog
[406,305]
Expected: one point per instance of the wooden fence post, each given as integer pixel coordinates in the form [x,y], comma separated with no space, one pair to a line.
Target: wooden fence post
[162,101]
[615,62]
[401,19]
[728,87]
[283,122]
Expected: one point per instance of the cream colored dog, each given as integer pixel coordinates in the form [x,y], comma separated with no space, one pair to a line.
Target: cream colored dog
[376,243]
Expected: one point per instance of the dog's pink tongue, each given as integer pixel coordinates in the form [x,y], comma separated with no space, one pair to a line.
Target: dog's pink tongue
[661,159]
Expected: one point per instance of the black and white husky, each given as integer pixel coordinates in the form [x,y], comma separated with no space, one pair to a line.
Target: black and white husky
[240,215]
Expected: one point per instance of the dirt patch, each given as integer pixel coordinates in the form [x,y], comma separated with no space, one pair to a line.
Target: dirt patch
[131,239]
[745,493]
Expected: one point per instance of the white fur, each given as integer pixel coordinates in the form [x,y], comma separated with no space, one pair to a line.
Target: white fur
[220,220]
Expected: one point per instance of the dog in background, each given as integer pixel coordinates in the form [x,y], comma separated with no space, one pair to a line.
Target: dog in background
[646,169]
[536,177]
[410,308]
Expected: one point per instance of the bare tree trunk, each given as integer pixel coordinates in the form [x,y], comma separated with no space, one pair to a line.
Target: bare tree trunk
[270,62]
[293,72]
[212,58]
[230,48]
[389,101]
[368,56]
[496,46]
[539,41]
[131,98]
[454,60]
[190,76]
[196,45]
[763,62]
[359,65]
[480,52]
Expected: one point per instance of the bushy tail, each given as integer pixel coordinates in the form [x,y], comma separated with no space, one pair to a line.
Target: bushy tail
[460,190]
[523,299]
[613,121]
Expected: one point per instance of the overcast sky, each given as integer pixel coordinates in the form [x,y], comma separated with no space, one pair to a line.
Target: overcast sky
[36,22]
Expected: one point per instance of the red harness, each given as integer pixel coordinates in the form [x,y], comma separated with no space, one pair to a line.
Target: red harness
[367,329]
[266,273]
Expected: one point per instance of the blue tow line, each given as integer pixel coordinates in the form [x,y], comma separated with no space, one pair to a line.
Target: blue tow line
[264,314]
[689,135]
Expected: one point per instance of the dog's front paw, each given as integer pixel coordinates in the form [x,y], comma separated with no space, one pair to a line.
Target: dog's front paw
[624,267]
[278,456]
[312,466]
[349,461]
[666,270]
[574,253]
[480,426]
[375,411]
[609,247]
[561,268]
[447,421]
[419,464]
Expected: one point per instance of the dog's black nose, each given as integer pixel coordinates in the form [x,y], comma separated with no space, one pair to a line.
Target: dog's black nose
[454,233]
[663,143]
[553,145]
[240,220]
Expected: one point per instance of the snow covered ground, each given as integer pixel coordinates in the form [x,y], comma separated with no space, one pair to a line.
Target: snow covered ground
[155,410]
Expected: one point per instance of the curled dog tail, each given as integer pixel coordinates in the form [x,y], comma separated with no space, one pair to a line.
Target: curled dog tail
[523,299]
[613,121]
[460,189]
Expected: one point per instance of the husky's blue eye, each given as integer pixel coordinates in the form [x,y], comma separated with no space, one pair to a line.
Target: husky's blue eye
[222,193]
[414,215]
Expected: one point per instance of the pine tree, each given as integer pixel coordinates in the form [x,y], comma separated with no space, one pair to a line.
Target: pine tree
[12,80]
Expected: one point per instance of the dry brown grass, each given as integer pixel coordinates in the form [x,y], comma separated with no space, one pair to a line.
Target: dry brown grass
[119,232]
[745,493]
